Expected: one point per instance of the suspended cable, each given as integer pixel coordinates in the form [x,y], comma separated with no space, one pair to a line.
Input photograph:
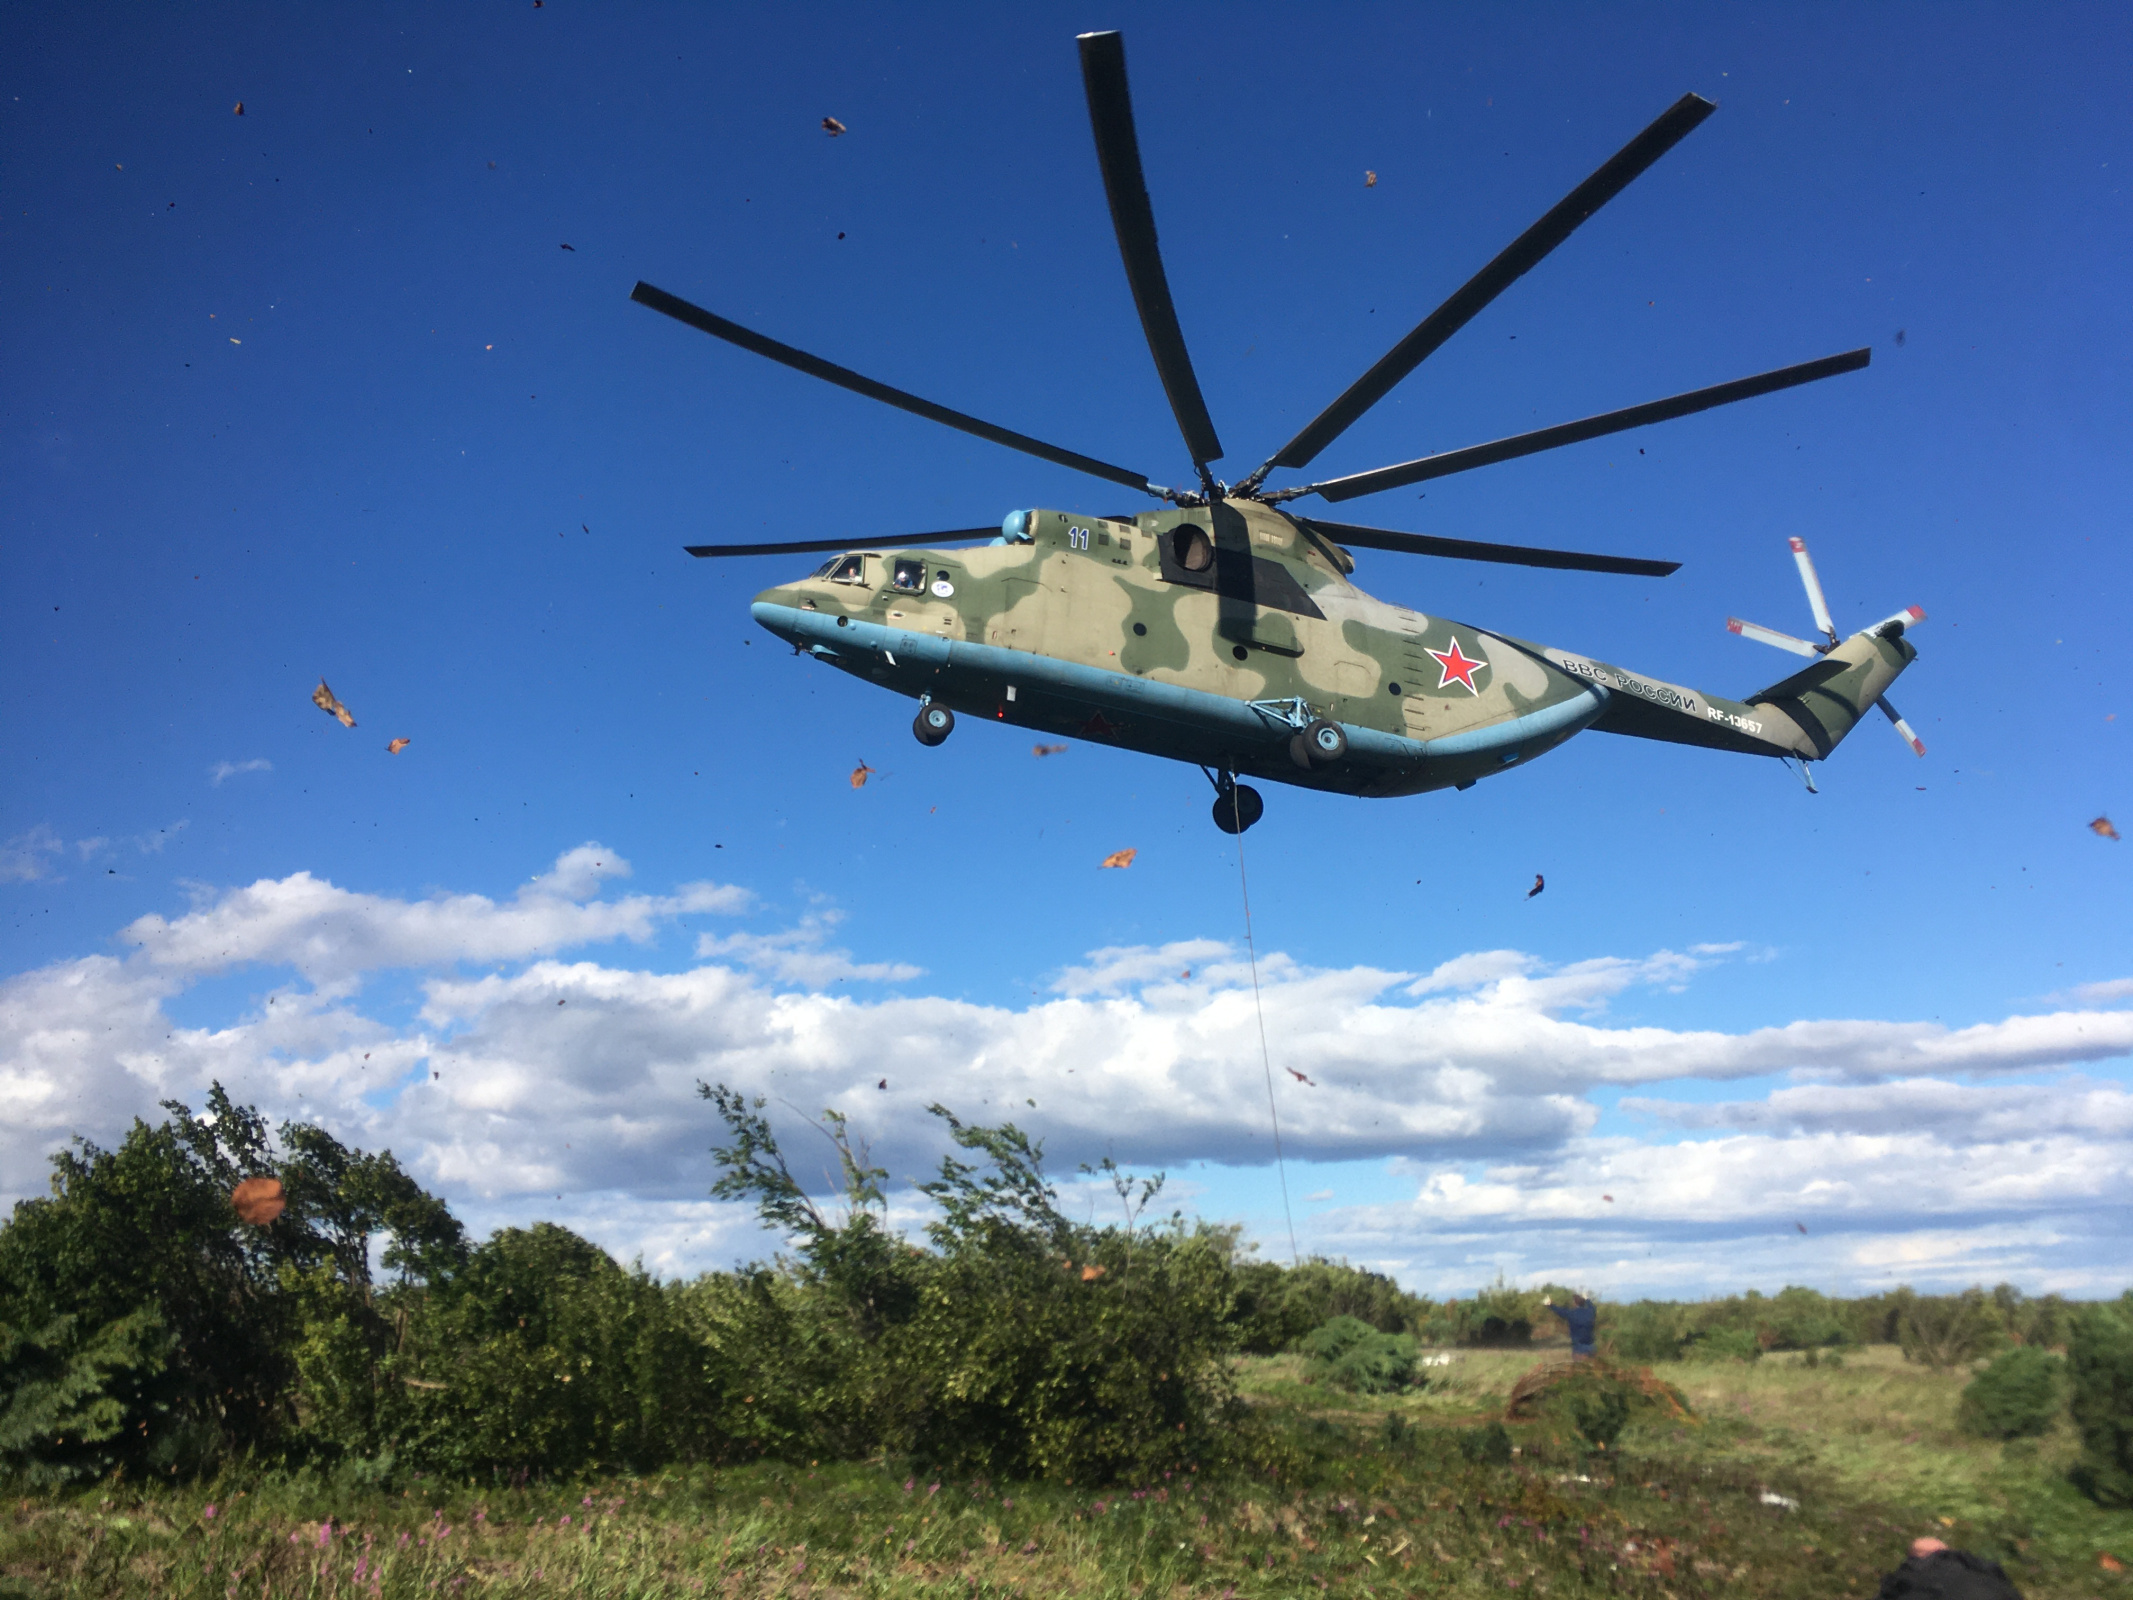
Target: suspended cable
[1266,1060]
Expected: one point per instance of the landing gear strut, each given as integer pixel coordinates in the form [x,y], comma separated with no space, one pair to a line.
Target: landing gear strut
[933,723]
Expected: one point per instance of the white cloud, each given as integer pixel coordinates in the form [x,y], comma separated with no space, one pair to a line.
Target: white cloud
[230,769]
[28,856]
[2101,993]
[576,1078]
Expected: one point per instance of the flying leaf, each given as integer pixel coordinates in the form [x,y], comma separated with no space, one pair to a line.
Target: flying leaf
[2103,829]
[1120,858]
[238,111]
[573,249]
[1047,749]
[1370,180]
[1801,1226]
[860,775]
[1091,1273]
[1539,883]
[323,698]
[397,746]
[1299,1077]
[258,1200]
[883,1084]
[1610,1199]
[832,127]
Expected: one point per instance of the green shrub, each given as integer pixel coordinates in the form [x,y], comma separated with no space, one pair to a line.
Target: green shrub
[2099,1360]
[1592,1403]
[1489,1445]
[1350,1354]
[1725,1344]
[2014,1398]
[1644,1331]
[1950,1330]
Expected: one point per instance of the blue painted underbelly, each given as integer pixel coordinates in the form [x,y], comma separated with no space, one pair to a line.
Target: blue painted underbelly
[1164,719]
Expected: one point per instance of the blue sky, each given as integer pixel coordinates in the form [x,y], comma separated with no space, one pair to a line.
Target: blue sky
[316,391]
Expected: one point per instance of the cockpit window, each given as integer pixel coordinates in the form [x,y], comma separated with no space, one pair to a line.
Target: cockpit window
[850,569]
[823,571]
[909,577]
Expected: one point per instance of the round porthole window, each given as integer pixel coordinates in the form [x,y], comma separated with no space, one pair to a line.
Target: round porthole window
[1239,651]
[1392,688]
[1140,630]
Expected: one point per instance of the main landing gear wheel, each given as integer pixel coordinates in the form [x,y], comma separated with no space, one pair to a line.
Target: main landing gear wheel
[1319,745]
[1237,807]
[933,724]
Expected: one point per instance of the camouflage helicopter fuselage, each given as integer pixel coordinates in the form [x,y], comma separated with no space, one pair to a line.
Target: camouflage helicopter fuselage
[1214,634]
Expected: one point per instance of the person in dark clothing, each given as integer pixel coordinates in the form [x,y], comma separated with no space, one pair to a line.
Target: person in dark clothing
[1934,1572]
[1579,1317]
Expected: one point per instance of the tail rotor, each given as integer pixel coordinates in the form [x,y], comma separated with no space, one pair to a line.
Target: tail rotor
[1888,628]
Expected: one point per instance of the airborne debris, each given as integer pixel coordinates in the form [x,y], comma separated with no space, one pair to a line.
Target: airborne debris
[2103,829]
[1090,1273]
[573,249]
[1186,973]
[258,1200]
[1119,858]
[860,775]
[832,127]
[1299,1077]
[1539,883]
[1370,179]
[883,1084]
[1610,1199]
[1047,749]
[238,109]
[397,746]
[323,698]
[1899,338]
[1801,1226]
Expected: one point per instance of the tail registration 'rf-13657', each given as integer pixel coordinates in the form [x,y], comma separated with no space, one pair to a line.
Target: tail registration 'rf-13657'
[1223,627]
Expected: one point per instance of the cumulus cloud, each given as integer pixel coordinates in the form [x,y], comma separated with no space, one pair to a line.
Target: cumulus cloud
[554,1079]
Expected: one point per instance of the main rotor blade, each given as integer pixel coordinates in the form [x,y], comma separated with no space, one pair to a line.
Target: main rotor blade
[815,367]
[1514,555]
[1520,257]
[1118,152]
[803,546]
[1526,444]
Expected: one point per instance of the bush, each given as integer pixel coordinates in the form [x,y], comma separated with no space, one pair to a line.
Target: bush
[1950,1330]
[1725,1344]
[1486,1446]
[1644,1331]
[2014,1398]
[1350,1354]
[2099,1361]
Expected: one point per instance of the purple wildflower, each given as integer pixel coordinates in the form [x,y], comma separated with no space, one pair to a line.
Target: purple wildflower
[209,1513]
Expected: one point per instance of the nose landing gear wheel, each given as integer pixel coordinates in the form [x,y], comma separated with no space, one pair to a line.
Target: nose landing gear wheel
[932,724]
[1237,807]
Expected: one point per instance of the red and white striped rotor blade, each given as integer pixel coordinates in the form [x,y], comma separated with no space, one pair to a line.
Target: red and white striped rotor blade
[1814,588]
[1763,635]
[1903,728]
[1903,622]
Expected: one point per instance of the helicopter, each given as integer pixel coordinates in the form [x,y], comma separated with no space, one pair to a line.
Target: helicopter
[1223,629]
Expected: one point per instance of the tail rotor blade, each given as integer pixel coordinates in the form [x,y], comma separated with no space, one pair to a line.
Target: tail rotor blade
[1814,588]
[1903,728]
[1118,152]
[1763,635]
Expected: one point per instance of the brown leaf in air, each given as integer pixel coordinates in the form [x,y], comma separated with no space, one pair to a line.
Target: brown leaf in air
[1370,180]
[832,127]
[1801,1226]
[573,249]
[1091,1273]
[238,111]
[1120,858]
[860,774]
[324,699]
[1299,1077]
[258,1200]
[1539,883]
[1610,1199]
[397,746]
[2103,829]
[1047,749]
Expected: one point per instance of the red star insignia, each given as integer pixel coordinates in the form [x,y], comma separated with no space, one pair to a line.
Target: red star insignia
[1097,728]
[1457,668]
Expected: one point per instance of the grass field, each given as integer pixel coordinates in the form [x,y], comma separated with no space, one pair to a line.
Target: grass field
[1365,1497]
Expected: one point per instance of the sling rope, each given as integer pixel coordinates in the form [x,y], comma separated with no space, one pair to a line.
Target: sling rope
[1266,1060]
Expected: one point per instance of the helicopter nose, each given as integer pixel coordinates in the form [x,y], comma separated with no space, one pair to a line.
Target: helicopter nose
[774,610]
